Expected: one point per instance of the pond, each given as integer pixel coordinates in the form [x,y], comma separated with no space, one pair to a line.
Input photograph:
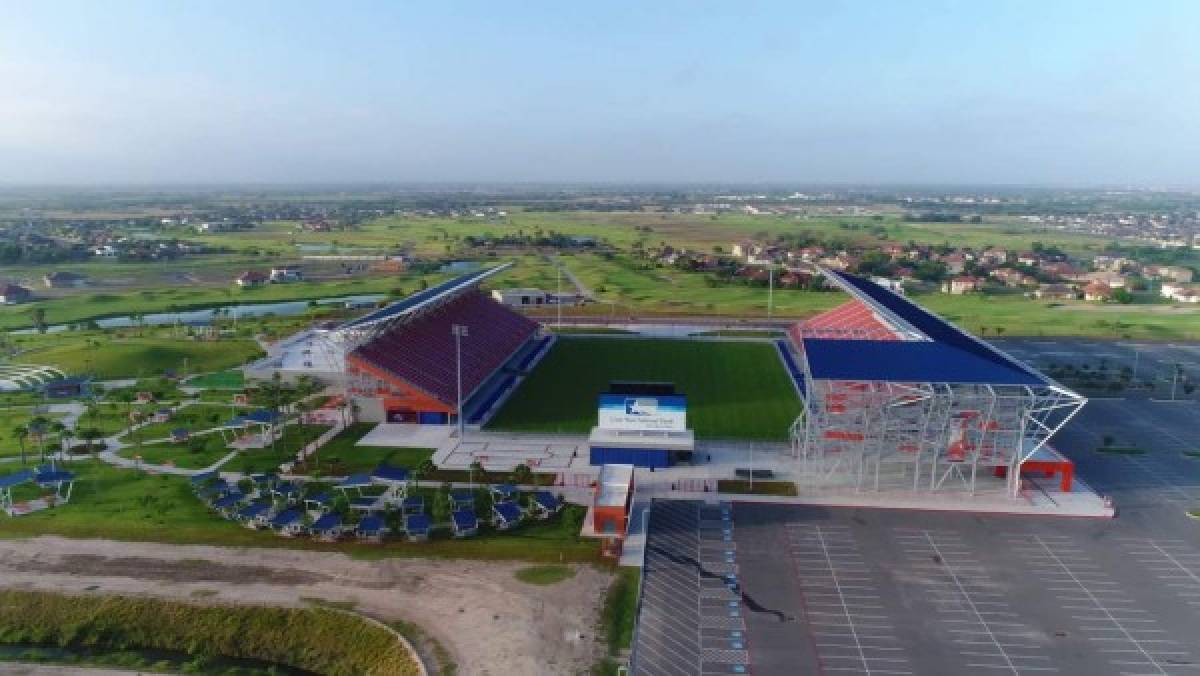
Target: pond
[233,311]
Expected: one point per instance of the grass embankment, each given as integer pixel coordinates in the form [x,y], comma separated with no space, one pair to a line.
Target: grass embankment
[122,504]
[734,390]
[199,453]
[544,575]
[109,355]
[1191,454]
[232,379]
[618,617]
[193,418]
[293,438]
[743,487]
[341,456]
[314,639]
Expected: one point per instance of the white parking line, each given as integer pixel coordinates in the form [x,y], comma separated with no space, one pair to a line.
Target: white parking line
[1118,630]
[973,606]
[846,616]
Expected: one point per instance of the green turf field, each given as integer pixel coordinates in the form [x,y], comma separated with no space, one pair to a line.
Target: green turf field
[734,390]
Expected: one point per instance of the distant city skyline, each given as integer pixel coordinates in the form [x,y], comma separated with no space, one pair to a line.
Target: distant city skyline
[935,93]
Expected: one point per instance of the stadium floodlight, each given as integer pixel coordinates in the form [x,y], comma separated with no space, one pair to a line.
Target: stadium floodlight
[459,331]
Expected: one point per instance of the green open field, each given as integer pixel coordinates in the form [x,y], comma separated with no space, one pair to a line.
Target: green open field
[340,456]
[194,418]
[197,455]
[734,390]
[107,355]
[123,504]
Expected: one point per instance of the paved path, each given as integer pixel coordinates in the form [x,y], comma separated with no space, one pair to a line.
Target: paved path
[580,288]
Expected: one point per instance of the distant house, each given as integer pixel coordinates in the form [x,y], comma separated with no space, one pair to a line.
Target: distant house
[1174,273]
[11,294]
[1027,258]
[106,251]
[1097,291]
[1183,293]
[955,263]
[1059,269]
[64,280]
[893,285]
[251,278]
[994,256]
[284,274]
[744,249]
[1056,292]
[963,284]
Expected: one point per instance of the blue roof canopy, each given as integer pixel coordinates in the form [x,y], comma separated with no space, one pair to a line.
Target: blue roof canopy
[462,496]
[464,519]
[322,498]
[386,472]
[413,502]
[906,361]
[370,524]
[356,481]
[508,511]
[228,501]
[546,499]
[417,523]
[287,518]
[940,332]
[10,480]
[254,511]
[327,522]
[507,490]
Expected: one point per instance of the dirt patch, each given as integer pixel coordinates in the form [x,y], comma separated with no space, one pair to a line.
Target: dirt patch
[185,570]
[489,621]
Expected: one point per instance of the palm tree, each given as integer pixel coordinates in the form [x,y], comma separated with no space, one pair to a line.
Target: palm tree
[522,474]
[37,429]
[20,433]
[425,468]
[476,466]
[90,435]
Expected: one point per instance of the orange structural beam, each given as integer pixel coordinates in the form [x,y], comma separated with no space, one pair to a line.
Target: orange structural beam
[1065,469]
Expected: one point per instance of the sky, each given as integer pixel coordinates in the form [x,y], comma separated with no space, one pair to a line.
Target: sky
[969,92]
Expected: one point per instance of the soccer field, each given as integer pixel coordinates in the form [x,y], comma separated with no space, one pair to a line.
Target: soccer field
[734,390]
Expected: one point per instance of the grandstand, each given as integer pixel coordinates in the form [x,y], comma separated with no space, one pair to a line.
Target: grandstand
[889,387]
[406,369]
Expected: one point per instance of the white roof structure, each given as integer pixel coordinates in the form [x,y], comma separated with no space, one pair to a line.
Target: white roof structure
[614,485]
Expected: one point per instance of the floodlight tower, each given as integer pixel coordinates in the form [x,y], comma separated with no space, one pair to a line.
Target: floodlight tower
[459,331]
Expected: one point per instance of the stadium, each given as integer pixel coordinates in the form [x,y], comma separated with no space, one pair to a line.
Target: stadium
[876,394]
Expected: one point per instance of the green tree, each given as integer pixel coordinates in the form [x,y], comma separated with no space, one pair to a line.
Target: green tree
[424,469]
[21,433]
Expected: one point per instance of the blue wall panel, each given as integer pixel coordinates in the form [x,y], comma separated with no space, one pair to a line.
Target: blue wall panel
[638,457]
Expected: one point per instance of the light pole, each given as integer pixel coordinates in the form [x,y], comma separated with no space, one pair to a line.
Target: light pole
[558,294]
[458,331]
[770,290]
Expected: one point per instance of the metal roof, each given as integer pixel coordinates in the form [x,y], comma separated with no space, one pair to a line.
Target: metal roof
[465,519]
[417,523]
[507,511]
[423,298]
[936,350]
[917,361]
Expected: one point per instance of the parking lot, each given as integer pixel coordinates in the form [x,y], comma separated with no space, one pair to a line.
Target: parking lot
[876,591]
[1153,362]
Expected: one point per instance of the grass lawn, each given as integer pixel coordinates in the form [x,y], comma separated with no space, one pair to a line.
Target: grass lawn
[341,457]
[257,460]
[109,356]
[124,504]
[181,455]
[194,418]
[734,390]
[618,617]
[545,575]
[232,379]
[10,418]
